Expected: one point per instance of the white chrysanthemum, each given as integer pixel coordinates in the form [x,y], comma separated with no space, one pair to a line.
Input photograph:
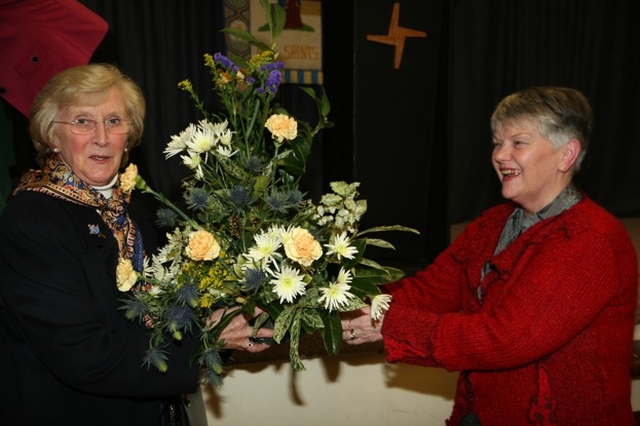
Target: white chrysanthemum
[344,277]
[335,296]
[194,162]
[214,128]
[380,305]
[226,151]
[178,143]
[340,246]
[288,284]
[266,247]
[202,141]
[225,137]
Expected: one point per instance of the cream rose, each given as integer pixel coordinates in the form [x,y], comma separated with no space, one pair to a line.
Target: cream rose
[126,276]
[202,246]
[282,127]
[300,246]
[128,178]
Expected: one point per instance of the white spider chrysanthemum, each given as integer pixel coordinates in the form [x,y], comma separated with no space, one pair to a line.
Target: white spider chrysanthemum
[175,146]
[344,277]
[225,151]
[341,247]
[288,284]
[380,305]
[215,128]
[265,248]
[226,137]
[335,296]
[201,141]
[194,162]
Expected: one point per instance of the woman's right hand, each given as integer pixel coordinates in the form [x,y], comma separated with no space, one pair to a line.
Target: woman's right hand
[238,333]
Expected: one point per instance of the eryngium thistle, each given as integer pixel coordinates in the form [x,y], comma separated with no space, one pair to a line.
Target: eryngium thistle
[214,366]
[188,294]
[157,358]
[197,198]
[134,309]
[166,218]
[178,319]
[240,196]
[254,278]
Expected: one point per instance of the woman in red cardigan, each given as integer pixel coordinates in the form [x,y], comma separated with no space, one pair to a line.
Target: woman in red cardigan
[534,302]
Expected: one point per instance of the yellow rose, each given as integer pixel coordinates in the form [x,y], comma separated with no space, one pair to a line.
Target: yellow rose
[126,276]
[282,127]
[202,246]
[128,178]
[300,246]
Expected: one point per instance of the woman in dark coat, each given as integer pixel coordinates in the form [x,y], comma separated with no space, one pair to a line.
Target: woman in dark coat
[68,355]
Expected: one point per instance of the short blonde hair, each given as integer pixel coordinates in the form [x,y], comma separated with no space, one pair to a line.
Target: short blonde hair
[80,86]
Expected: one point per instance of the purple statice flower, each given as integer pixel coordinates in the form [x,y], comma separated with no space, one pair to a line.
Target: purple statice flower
[271,66]
[273,81]
[220,59]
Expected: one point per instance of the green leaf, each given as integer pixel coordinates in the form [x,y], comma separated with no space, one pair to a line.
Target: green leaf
[332,333]
[244,35]
[389,228]
[284,323]
[311,320]
[377,242]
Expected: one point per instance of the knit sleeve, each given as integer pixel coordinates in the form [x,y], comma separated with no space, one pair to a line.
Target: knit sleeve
[545,293]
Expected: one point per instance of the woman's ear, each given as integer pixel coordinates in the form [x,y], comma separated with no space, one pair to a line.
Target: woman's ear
[570,152]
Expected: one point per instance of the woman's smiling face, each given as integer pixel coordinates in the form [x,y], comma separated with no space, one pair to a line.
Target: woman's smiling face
[95,157]
[531,170]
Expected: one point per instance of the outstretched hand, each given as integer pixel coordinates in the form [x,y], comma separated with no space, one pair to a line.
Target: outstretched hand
[358,327]
[238,333]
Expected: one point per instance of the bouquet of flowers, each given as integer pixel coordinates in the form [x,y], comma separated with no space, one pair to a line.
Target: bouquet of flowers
[250,237]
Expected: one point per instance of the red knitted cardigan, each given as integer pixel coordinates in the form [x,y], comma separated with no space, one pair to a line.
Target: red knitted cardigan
[551,341]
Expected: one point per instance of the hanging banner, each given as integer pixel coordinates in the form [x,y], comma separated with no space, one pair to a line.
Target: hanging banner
[299,45]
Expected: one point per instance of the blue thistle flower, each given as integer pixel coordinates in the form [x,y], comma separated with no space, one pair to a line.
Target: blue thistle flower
[294,197]
[166,218]
[178,318]
[278,202]
[134,309]
[156,357]
[188,294]
[254,278]
[240,196]
[197,198]
[254,164]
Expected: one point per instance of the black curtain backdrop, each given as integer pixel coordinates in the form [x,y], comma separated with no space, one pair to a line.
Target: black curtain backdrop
[417,138]
[500,46]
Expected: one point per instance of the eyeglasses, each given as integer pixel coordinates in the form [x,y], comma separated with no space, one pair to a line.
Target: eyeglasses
[86,126]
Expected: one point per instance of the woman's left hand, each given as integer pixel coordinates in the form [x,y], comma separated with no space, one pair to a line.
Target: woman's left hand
[358,327]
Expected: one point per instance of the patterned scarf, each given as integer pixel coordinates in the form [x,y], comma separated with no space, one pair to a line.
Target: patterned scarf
[58,180]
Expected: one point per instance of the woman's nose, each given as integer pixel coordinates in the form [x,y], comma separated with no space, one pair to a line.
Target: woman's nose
[100,134]
[501,151]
